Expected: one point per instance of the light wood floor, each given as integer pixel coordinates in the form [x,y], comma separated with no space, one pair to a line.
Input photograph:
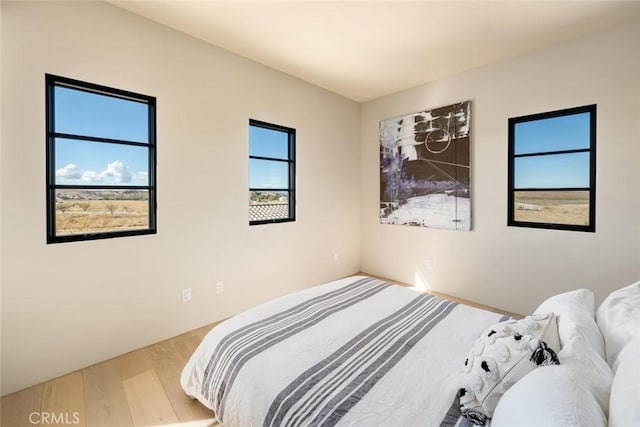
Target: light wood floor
[141,388]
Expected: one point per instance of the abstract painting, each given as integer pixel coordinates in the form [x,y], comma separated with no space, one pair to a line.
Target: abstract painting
[425,168]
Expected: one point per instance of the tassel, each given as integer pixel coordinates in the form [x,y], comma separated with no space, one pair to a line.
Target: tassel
[475,416]
[543,355]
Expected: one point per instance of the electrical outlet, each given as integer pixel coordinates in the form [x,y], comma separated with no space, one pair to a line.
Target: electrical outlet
[186,295]
[219,287]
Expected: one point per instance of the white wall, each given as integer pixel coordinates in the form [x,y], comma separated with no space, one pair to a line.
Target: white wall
[66,306]
[509,267]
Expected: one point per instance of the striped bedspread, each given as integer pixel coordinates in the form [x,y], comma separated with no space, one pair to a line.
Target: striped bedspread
[354,352]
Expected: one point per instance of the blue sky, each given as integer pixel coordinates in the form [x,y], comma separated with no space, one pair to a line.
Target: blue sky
[555,170]
[94,163]
[268,143]
[90,114]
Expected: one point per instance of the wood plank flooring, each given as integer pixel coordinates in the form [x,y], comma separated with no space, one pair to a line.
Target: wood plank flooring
[141,388]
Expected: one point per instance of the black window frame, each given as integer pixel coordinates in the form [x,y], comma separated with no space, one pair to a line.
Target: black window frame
[291,162]
[52,81]
[591,227]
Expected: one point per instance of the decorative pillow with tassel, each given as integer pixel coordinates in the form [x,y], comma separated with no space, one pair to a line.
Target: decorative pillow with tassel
[502,355]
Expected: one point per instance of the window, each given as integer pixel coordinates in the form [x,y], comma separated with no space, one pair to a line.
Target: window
[552,170]
[101,158]
[272,177]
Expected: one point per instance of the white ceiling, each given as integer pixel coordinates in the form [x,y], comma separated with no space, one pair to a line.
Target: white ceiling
[367,49]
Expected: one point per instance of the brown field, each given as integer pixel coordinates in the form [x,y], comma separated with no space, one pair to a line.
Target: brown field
[99,216]
[558,207]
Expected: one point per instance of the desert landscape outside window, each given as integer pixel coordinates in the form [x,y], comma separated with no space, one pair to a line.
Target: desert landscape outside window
[552,174]
[101,158]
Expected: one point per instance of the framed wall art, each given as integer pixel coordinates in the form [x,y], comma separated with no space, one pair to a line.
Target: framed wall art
[425,168]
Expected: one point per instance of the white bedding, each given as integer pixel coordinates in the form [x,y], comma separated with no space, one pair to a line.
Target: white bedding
[357,352]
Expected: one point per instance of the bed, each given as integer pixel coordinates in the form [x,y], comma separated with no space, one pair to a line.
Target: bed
[363,352]
[357,351]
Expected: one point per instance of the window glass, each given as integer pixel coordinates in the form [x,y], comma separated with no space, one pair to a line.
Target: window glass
[268,174]
[78,112]
[268,143]
[98,211]
[98,163]
[552,171]
[268,205]
[552,207]
[554,134]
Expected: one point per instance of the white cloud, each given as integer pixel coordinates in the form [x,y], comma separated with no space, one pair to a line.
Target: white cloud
[115,170]
[118,171]
[70,171]
[91,176]
[142,176]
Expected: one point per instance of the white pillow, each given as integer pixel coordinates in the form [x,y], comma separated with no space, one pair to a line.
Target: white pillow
[502,355]
[575,308]
[624,405]
[619,320]
[552,396]
[572,394]
[591,369]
